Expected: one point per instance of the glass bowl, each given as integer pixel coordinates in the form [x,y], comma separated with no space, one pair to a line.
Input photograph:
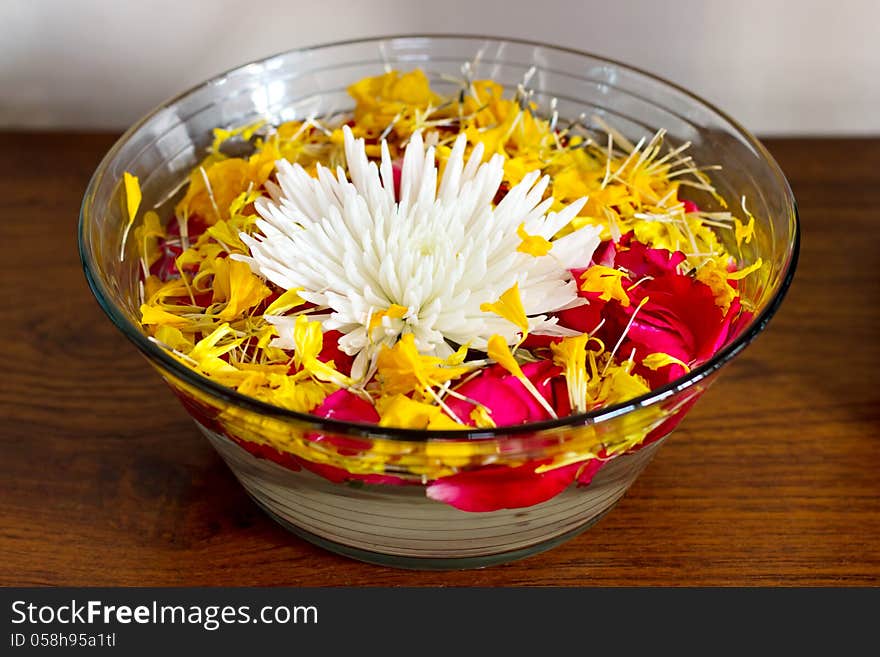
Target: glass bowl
[429,499]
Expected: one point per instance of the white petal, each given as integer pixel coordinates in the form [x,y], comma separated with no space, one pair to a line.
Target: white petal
[441,251]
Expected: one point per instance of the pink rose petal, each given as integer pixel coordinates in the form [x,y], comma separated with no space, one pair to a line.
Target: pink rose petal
[497,487]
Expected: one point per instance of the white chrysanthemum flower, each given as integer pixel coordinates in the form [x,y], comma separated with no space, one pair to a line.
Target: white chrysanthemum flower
[433,257]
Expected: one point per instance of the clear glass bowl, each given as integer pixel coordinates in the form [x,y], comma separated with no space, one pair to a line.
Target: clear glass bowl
[372,493]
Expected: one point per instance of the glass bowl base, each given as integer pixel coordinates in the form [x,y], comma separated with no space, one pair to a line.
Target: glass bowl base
[400,526]
[425,563]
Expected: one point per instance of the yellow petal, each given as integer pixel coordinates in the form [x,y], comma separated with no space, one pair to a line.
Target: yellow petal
[500,353]
[742,273]
[308,341]
[393,312]
[151,285]
[482,417]
[227,236]
[242,200]
[238,286]
[285,302]
[510,307]
[534,245]
[442,422]
[618,384]
[153,315]
[207,352]
[147,236]
[606,280]
[405,413]
[657,360]
[327,372]
[401,411]
[571,355]
[246,131]
[715,275]
[458,357]
[132,195]
[171,336]
[307,338]
[402,368]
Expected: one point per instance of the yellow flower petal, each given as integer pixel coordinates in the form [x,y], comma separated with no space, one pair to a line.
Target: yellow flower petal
[238,286]
[132,203]
[534,245]
[606,280]
[402,369]
[510,307]
[172,336]
[618,384]
[657,360]
[207,352]
[442,422]
[154,315]
[571,355]
[742,273]
[285,302]
[500,353]
[147,236]
[392,312]
[308,341]
[228,237]
[482,417]
[246,131]
[715,275]
[132,195]
[401,411]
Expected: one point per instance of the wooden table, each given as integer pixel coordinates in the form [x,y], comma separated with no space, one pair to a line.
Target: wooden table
[774,478]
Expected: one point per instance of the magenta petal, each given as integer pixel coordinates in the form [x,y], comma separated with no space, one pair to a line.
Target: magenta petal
[397,174]
[496,487]
[689,206]
[507,398]
[343,405]
[588,471]
[642,260]
[668,424]
[680,318]
[605,254]
[583,318]
[284,459]
[331,352]
[739,319]
[674,341]
[505,401]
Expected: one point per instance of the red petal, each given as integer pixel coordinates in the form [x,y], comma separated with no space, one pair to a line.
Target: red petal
[330,351]
[346,406]
[497,487]
[641,260]
[284,459]
[588,471]
[507,398]
[680,318]
[689,206]
[669,424]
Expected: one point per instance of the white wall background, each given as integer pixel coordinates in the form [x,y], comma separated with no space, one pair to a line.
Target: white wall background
[779,66]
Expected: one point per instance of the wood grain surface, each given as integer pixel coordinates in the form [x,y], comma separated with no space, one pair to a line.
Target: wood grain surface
[774,478]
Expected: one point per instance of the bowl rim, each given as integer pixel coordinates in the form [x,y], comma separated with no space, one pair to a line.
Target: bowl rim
[228,395]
